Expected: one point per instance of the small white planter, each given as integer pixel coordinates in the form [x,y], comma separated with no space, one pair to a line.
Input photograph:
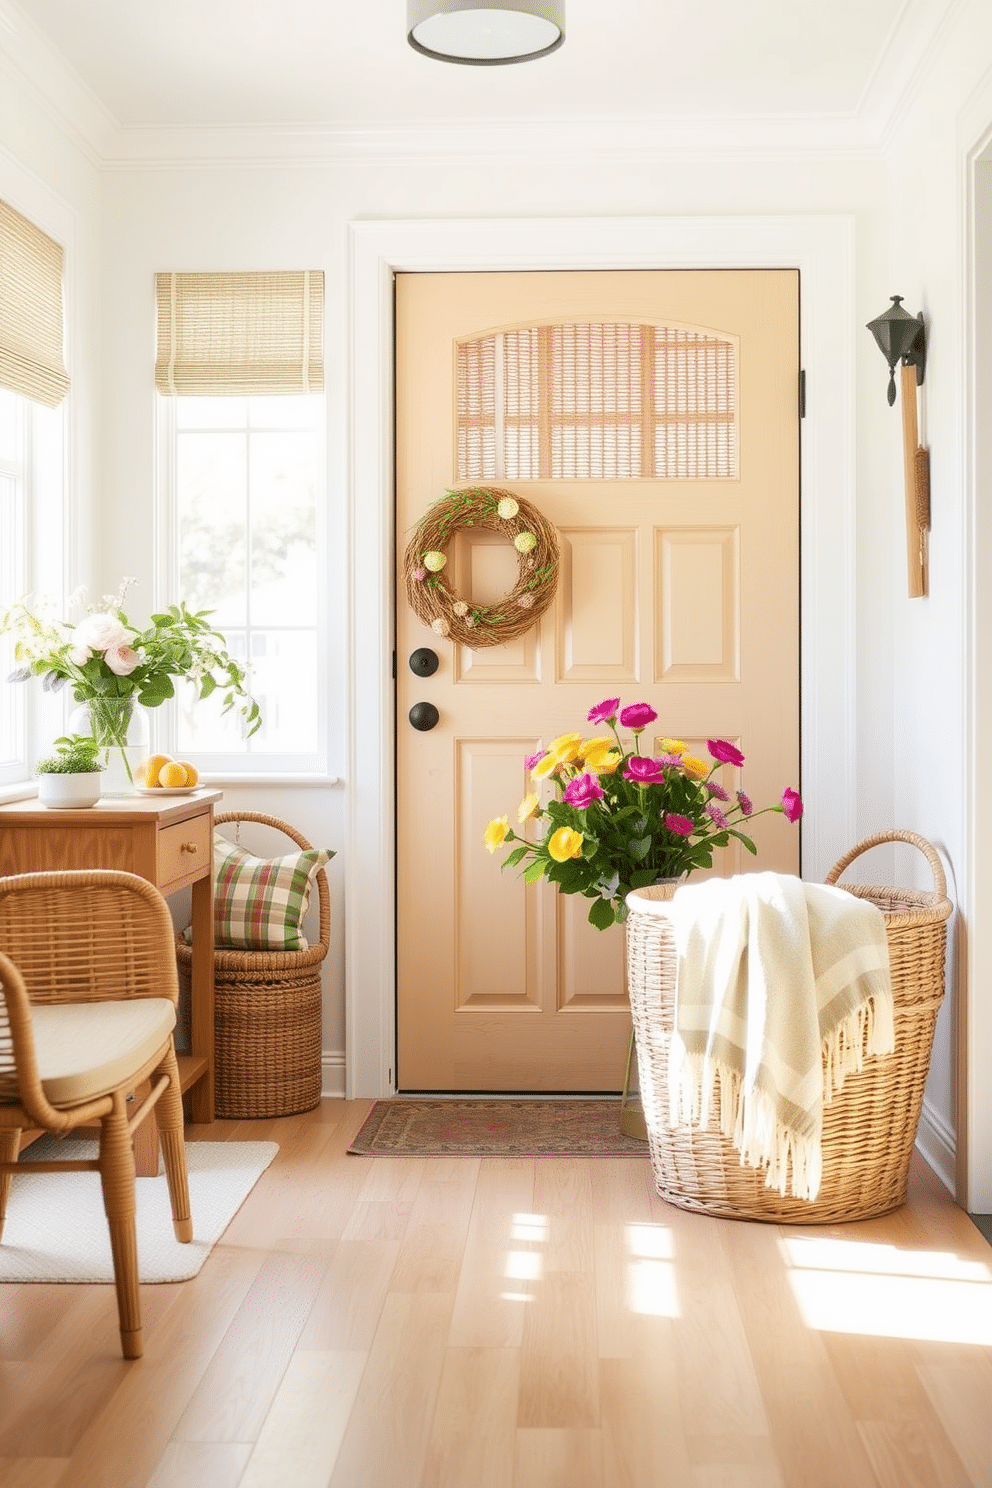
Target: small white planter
[69,792]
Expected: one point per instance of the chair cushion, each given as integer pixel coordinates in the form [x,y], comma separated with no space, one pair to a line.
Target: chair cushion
[259,903]
[87,1049]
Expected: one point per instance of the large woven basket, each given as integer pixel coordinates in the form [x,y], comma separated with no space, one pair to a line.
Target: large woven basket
[267,1014]
[868,1129]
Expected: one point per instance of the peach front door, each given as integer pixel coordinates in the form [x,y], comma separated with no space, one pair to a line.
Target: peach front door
[653,418]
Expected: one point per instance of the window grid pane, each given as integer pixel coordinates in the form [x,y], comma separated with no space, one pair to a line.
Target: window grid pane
[610,401]
[246,498]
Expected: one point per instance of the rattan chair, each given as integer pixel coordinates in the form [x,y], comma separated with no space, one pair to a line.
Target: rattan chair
[88,993]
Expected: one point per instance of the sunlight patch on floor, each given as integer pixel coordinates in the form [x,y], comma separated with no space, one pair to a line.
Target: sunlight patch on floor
[651,1287]
[846,1286]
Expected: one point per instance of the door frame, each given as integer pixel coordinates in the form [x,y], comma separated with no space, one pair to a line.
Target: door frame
[821,247]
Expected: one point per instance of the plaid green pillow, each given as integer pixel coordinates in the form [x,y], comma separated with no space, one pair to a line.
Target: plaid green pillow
[259,903]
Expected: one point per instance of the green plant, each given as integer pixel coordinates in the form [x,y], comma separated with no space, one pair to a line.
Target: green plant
[75,754]
[624,819]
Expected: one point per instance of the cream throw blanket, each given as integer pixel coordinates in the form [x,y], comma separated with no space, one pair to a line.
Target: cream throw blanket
[783,987]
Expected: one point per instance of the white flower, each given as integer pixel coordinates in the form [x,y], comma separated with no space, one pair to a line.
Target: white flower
[434,561]
[524,542]
[440,626]
[507,508]
[121,660]
[79,655]
[460,607]
[100,631]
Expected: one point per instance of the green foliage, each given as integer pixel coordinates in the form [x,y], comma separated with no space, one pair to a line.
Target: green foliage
[75,754]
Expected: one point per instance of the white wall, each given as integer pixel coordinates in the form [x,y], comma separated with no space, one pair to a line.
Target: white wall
[933,722]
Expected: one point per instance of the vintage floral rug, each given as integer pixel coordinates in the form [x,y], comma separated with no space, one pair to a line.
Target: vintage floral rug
[484,1127]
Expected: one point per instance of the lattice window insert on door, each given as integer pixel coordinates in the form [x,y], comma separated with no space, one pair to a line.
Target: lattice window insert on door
[597,402]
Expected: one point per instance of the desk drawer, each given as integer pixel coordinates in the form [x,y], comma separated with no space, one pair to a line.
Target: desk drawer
[183,852]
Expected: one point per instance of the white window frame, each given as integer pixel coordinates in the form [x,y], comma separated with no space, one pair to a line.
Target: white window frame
[241,768]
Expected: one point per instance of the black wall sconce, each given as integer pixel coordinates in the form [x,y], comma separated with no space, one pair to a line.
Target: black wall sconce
[902,339]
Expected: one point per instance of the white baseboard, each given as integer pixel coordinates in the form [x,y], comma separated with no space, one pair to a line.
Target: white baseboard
[332,1073]
[936,1141]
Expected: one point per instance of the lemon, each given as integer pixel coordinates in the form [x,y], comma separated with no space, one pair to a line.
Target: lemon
[172,774]
[149,771]
[192,773]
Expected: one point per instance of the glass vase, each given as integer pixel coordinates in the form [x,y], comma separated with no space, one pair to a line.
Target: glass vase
[121,728]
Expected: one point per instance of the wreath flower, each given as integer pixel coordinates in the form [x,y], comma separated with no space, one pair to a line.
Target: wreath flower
[623,817]
[428,588]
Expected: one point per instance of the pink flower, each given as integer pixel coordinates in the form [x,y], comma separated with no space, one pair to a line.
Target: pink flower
[638,716]
[680,825]
[792,804]
[535,759]
[526,601]
[724,751]
[121,660]
[644,771]
[581,791]
[604,712]
[717,791]
[745,803]
[716,816]
[418,575]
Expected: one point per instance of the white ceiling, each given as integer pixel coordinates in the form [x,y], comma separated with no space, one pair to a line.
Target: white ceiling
[189,64]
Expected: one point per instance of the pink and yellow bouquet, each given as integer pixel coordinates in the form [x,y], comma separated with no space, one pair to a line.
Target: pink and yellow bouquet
[623,819]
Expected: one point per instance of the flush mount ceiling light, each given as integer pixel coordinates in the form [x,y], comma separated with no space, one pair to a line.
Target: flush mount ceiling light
[485,33]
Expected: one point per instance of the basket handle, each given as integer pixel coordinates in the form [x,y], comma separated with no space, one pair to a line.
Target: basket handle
[895,835]
[323,893]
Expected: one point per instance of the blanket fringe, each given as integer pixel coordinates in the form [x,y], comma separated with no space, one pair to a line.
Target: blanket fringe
[703,1090]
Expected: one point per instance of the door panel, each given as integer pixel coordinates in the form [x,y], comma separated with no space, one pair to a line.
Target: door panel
[679,590]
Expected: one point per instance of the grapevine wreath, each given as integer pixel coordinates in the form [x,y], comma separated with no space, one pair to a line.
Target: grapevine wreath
[424,561]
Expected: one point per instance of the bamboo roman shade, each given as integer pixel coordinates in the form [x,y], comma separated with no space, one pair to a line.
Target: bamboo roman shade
[239,334]
[612,401]
[32,361]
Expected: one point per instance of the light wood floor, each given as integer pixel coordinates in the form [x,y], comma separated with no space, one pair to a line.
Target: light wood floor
[398,1323]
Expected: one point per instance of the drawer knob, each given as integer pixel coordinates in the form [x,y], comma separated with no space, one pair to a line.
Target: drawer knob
[189,847]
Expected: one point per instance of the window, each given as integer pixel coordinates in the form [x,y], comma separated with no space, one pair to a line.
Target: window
[597,402]
[246,538]
[33,385]
[31,495]
[239,362]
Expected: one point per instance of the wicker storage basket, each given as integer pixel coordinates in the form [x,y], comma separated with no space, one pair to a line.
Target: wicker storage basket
[267,1014]
[868,1129]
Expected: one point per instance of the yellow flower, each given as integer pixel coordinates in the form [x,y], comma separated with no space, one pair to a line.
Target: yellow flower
[599,755]
[695,768]
[496,833]
[527,807]
[606,765]
[547,765]
[673,746]
[565,844]
[565,748]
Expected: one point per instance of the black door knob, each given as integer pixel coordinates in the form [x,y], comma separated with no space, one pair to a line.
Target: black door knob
[423,661]
[424,716]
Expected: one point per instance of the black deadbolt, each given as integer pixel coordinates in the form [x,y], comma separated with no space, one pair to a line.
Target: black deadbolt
[423,661]
[424,716]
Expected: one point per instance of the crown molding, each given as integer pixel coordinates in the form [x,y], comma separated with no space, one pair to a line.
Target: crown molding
[778,136]
[29,63]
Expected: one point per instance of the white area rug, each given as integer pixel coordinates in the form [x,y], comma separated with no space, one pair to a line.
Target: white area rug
[56,1229]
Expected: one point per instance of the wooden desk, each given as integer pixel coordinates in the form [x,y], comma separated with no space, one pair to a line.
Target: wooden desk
[165,839]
